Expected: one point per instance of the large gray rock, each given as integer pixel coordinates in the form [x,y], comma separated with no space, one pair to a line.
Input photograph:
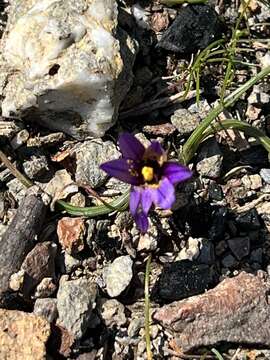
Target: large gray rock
[236,311]
[75,301]
[68,61]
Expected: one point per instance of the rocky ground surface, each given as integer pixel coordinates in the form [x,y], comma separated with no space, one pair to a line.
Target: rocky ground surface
[73,287]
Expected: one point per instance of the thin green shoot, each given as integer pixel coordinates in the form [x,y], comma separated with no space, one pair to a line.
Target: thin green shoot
[191,145]
[246,128]
[229,74]
[147,320]
[217,353]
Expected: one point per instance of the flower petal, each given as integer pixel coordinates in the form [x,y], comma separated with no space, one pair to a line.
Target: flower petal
[164,195]
[147,200]
[141,222]
[156,147]
[120,169]
[130,147]
[134,200]
[176,172]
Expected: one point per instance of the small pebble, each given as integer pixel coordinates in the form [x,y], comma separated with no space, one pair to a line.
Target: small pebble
[118,275]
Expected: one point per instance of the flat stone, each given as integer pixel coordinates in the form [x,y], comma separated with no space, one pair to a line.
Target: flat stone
[71,73]
[89,156]
[75,301]
[117,275]
[23,335]
[240,247]
[71,233]
[61,185]
[194,28]
[182,279]
[38,264]
[235,311]
[185,121]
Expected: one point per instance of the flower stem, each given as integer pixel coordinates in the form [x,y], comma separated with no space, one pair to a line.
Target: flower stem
[147,309]
[196,137]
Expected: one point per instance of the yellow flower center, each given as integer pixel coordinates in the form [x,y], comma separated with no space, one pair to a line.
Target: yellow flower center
[148,173]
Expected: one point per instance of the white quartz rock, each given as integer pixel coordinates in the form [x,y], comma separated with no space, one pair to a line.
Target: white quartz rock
[67,62]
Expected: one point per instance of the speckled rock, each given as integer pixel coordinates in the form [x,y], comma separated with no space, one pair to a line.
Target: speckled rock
[23,336]
[75,301]
[89,156]
[182,279]
[185,121]
[117,275]
[64,60]
[210,159]
[112,312]
[46,308]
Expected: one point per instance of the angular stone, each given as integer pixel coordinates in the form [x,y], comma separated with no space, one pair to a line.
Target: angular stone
[23,335]
[182,279]
[235,311]
[75,301]
[240,246]
[195,27]
[118,275]
[70,233]
[67,62]
[38,264]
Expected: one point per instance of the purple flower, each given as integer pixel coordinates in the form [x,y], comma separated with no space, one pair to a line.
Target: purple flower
[152,177]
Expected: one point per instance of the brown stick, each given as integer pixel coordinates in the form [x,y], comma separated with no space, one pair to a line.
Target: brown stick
[20,235]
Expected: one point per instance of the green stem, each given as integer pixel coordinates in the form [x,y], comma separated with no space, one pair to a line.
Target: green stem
[193,141]
[198,61]
[120,204]
[147,309]
[242,126]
